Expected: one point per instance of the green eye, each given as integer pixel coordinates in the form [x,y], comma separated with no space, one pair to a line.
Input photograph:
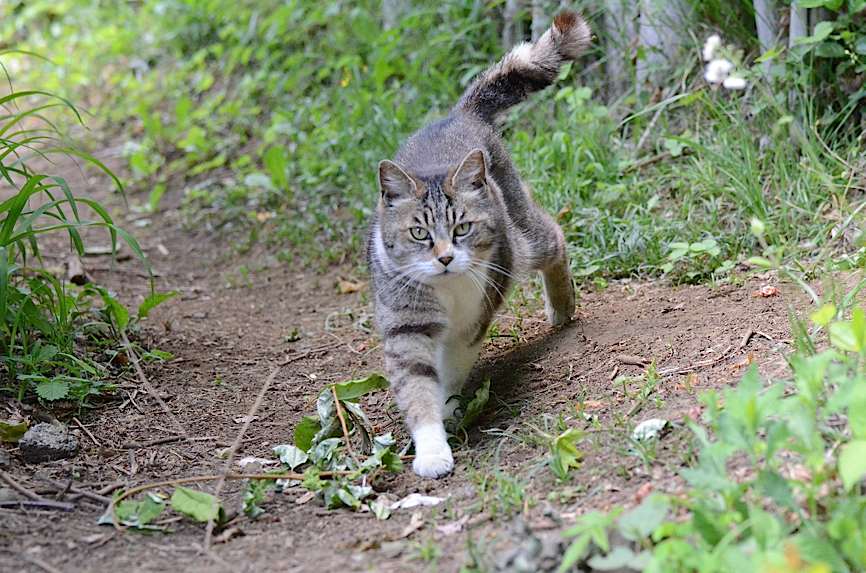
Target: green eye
[462,229]
[419,233]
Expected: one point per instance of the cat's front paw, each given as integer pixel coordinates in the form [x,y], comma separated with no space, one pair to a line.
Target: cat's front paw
[434,464]
[433,457]
[559,316]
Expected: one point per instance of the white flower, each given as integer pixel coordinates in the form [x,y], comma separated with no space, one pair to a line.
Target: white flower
[717,70]
[712,44]
[734,83]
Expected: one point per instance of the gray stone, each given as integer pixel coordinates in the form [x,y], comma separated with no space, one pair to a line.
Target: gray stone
[5,460]
[46,442]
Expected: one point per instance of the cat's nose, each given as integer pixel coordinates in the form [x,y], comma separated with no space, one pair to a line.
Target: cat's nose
[445,260]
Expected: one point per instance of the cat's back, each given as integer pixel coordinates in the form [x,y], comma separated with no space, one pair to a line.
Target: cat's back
[444,143]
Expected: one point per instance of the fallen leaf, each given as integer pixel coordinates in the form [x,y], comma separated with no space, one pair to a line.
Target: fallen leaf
[766,291]
[643,491]
[415,500]
[227,534]
[348,287]
[590,405]
[307,497]
[245,419]
[453,527]
[254,460]
[415,523]
[649,429]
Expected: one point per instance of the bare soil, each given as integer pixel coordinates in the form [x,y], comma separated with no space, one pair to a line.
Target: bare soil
[227,331]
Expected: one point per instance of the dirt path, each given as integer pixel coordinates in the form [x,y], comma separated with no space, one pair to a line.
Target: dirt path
[227,331]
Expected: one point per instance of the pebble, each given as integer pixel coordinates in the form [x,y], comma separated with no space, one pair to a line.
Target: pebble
[46,442]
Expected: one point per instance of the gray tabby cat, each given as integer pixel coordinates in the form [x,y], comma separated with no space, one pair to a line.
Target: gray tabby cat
[454,226]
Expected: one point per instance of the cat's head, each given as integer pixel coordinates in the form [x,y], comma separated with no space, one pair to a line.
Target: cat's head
[442,225]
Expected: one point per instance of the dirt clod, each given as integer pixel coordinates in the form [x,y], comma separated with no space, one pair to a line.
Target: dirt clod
[46,442]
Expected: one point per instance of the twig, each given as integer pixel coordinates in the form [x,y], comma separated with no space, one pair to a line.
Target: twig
[631,360]
[81,492]
[38,504]
[343,424]
[696,365]
[150,389]
[105,490]
[303,355]
[208,533]
[20,488]
[86,431]
[133,445]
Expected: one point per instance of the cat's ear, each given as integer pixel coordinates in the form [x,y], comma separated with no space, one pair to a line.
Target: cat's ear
[472,173]
[394,183]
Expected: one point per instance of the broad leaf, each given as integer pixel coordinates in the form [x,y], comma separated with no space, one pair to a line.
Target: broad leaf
[353,389]
[852,463]
[292,456]
[305,431]
[54,389]
[153,300]
[198,505]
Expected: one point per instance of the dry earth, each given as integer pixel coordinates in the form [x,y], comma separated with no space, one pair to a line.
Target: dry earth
[227,331]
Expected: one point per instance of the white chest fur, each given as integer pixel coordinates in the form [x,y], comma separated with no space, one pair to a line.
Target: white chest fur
[463,301]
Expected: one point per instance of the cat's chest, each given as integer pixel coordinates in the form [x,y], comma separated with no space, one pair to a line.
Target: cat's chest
[463,302]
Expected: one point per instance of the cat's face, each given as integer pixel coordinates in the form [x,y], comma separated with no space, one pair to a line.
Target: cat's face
[441,226]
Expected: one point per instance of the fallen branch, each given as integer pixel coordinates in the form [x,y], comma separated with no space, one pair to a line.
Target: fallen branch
[86,431]
[310,352]
[339,409]
[80,492]
[38,504]
[146,383]
[20,488]
[631,360]
[208,534]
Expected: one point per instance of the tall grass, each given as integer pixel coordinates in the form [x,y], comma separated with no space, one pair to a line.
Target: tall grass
[43,343]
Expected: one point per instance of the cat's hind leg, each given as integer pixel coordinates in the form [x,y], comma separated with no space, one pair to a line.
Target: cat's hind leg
[549,255]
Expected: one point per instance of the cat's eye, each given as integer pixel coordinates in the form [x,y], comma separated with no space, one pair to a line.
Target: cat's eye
[419,233]
[462,229]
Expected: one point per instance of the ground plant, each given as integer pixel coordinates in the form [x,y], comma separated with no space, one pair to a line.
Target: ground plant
[710,181]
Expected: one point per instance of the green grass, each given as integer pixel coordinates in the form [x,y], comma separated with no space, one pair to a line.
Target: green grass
[56,339]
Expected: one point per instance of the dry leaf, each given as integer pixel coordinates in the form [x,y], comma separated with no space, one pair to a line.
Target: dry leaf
[766,291]
[590,405]
[453,527]
[643,491]
[348,287]
[415,500]
[416,523]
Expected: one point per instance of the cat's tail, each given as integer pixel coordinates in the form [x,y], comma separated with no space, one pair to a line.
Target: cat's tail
[527,68]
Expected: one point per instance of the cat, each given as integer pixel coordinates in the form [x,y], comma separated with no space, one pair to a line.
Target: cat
[453,228]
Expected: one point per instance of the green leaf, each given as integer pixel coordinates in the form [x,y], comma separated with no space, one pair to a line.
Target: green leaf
[843,337]
[53,389]
[198,505]
[292,456]
[140,513]
[619,558]
[821,33]
[760,262]
[153,300]
[276,162]
[10,432]
[115,310]
[776,488]
[824,315]
[855,6]
[475,405]
[354,389]
[852,463]
[641,521]
[564,454]
[305,431]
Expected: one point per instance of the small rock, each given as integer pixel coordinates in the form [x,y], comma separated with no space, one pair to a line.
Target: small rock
[5,460]
[9,494]
[46,442]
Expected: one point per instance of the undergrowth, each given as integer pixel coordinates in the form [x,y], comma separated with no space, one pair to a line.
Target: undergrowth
[273,115]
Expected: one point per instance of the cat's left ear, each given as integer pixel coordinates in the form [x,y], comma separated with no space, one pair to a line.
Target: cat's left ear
[472,173]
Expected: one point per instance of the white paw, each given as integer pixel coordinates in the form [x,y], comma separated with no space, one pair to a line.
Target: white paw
[430,465]
[433,457]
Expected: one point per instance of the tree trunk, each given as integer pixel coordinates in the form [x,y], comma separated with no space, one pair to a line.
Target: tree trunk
[662,26]
[512,29]
[539,18]
[619,32]
[767,22]
[799,25]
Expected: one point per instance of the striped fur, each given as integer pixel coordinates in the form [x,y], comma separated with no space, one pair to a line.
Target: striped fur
[455,226]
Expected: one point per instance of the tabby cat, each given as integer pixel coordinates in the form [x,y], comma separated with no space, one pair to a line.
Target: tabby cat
[453,228]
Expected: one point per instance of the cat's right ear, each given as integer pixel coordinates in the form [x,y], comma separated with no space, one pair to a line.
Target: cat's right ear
[394,183]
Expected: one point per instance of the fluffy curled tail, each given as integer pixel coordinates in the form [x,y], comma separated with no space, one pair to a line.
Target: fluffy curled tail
[527,68]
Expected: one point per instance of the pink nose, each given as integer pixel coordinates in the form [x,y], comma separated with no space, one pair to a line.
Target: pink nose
[445,260]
